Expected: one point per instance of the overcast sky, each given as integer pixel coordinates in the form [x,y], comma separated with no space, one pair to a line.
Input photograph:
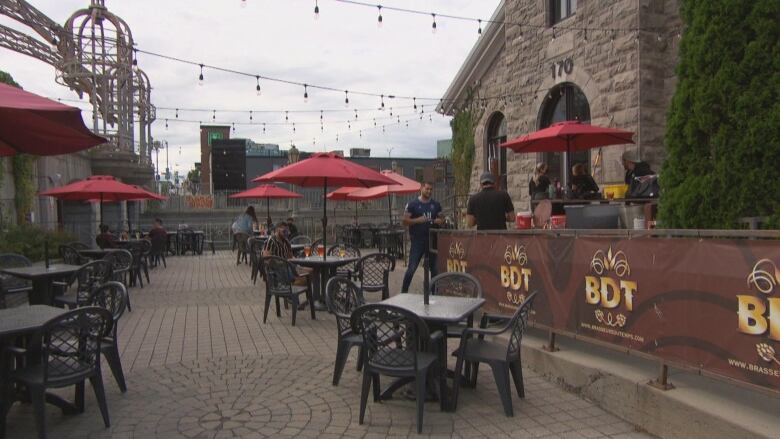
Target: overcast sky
[280,38]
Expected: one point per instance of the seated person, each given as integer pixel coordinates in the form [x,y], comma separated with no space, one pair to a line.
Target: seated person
[105,239]
[539,183]
[278,245]
[582,184]
[157,231]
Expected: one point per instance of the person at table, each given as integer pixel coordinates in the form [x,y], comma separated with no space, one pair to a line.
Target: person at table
[489,209]
[634,166]
[419,215]
[539,184]
[582,184]
[243,224]
[105,239]
[291,227]
[158,231]
[278,245]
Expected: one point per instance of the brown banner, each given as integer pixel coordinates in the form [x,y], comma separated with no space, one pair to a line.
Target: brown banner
[710,304]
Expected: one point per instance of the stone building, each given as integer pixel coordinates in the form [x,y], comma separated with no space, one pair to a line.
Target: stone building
[543,61]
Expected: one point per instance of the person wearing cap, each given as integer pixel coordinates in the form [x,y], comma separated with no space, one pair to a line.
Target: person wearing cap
[420,215]
[489,209]
[634,166]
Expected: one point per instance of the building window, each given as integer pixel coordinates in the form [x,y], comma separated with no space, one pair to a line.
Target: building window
[564,102]
[561,10]
[495,157]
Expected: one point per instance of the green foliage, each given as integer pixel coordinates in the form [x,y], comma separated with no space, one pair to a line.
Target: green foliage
[463,130]
[723,127]
[28,240]
[5,78]
[194,175]
[25,187]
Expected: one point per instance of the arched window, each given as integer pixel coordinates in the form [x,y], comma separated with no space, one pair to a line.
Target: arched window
[495,157]
[564,102]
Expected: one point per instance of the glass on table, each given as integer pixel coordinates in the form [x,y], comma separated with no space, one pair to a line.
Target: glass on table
[342,251]
[307,250]
[320,250]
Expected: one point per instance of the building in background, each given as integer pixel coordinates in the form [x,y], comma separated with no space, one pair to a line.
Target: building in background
[360,152]
[209,133]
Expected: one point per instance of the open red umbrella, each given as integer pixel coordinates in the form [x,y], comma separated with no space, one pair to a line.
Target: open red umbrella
[32,124]
[342,194]
[404,186]
[98,187]
[267,191]
[568,136]
[323,169]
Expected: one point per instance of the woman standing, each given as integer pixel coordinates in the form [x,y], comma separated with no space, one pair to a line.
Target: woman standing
[539,183]
[244,223]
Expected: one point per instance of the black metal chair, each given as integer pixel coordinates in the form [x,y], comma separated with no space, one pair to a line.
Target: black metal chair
[407,356]
[187,242]
[111,296]
[347,270]
[136,266]
[70,255]
[243,247]
[256,257]
[373,271]
[366,236]
[68,352]
[121,265]
[502,358]
[279,277]
[87,278]
[13,284]
[342,297]
[157,251]
[78,245]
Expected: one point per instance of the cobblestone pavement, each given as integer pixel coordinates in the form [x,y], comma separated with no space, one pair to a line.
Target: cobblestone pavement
[201,364]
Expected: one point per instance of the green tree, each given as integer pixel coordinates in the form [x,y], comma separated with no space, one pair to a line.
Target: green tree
[723,126]
[464,126]
[22,166]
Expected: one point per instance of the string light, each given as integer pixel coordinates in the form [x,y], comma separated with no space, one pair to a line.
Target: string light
[305,93]
[263,127]
[383,101]
[234,127]
[135,54]
[316,10]
[257,87]
[433,25]
[346,98]
[379,18]
[479,30]
[177,113]
[356,114]
[166,124]
[214,115]
[415,103]
[250,116]
[293,127]
[200,78]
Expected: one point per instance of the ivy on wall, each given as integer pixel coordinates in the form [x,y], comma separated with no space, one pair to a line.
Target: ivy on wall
[5,78]
[24,197]
[464,126]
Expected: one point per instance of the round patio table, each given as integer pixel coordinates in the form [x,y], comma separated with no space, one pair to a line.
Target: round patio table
[97,253]
[322,268]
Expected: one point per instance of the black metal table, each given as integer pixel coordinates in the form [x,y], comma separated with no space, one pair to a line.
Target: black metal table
[42,279]
[24,321]
[322,268]
[97,253]
[440,312]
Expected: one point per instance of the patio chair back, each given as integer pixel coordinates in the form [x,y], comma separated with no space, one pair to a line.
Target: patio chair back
[517,325]
[455,284]
[70,344]
[13,283]
[374,272]
[78,245]
[159,244]
[392,336]
[89,277]
[280,274]
[69,255]
[343,297]
[121,261]
[349,251]
[300,239]
[111,296]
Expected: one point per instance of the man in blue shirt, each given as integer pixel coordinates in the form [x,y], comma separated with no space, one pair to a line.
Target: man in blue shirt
[419,215]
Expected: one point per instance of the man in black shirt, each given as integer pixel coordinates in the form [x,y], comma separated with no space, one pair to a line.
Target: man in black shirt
[634,166]
[489,209]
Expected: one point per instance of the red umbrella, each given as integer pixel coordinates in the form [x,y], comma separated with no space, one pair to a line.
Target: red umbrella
[342,194]
[35,125]
[568,136]
[267,191]
[404,186]
[322,169]
[98,187]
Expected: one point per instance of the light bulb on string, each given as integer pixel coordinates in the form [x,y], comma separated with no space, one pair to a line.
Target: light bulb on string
[135,53]
[382,97]
[213,115]
[391,111]
[200,78]
[257,87]
[479,30]
[361,133]
[422,109]
[356,114]
[374,121]
[293,127]
[286,118]
[320,116]
[316,10]
[177,113]
[250,116]
[166,124]
[263,127]
[346,98]
[243,3]
[399,120]
[415,103]
[305,93]
[234,127]
[379,18]
[433,25]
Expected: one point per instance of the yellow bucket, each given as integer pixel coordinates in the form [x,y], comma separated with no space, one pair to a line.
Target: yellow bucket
[615,191]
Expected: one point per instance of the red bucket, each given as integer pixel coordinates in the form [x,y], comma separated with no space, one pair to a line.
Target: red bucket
[523,220]
[558,222]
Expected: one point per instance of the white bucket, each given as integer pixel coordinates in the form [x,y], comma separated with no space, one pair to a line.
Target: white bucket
[639,223]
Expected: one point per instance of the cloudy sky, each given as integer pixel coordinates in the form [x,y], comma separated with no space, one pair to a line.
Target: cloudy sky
[344,49]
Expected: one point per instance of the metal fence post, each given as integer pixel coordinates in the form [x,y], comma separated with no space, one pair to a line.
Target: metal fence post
[662,382]
[550,346]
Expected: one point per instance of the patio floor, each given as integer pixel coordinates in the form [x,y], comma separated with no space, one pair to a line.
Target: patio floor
[200,363]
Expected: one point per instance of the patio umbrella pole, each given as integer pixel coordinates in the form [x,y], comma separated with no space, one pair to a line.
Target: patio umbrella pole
[101,208]
[389,210]
[356,212]
[268,212]
[325,219]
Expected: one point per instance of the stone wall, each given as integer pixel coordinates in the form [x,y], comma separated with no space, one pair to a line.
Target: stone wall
[607,68]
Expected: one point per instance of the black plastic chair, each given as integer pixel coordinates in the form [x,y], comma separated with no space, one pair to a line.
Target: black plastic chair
[78,245]
[157,251]
[256,257]
[70,255]
[13,284]
[136,266]
[68,352]
[342,297]
[112,296]
[121,265]
[243,247]
[456,284]
[407,356]
[279,277]
[502,358]
[373,271]
[347,270]
[187,242]
[87,278]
